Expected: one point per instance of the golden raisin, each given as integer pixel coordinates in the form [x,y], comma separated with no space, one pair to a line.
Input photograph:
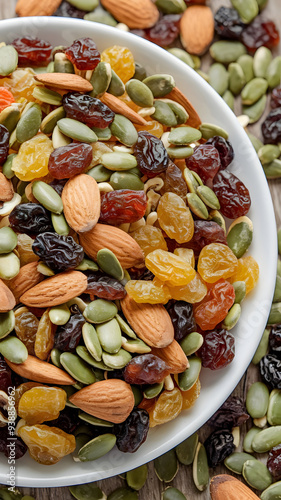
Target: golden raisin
[189,397]
[121,61]
[21,83]
[33,158]
[216,261]
[148,292]
[26,325]
[167,407]
[24,249]
[22,388]
[169,267]
[247,271]
[149,238]
[193,292]
[45,337]
[41,404]
[175,218]
[152,126]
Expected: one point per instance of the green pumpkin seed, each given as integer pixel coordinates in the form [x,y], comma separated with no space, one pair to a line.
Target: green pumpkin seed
[87,265]
[172,494]
[29,124]
[50,121]
[273,492]
[91,340]
[277,290]
[209,130]
[184,135]
[237,78]
[97,447]
[218,78]
[240,235]
[279,267]
[188,378]
[191,343]
[248,439]
[125,180]
[100,173]
[136,478]
[273,74]
[140,72]
[9,117]
[256,474]
[262,59]
[124,130]
[7,166]
[257,400]
[102,17]
[87,5]
[247,64]
[81,439]
[76,130]
[86,491]
[186,450]
[109,335]
[13,143]
[240,291]
[268,153]
[8,240]
[254,90]
[123,494]
[59,224]
[83,353]
[225,51]
[90,419]
[180,152]
[44,269]
[203,75]
[160,84]
[9,60]
[77,368]
[153,390]
[163,114]
[125,328]
[235,461]
[109,263]
[257,144]
[273,170]
[55,357]
[246,10]
[100,79]
[266,439]
[228,97]
[46,95]
[197,206]
[208,196]
[47,196]
[118,161]
[274,408]
[166,466]
[232,317]
[171,6]
[117,361]
[103,134]
[275,314]
[262,347]
[116,86]
[14,350]
[135,346]
[178,110]
[59,315]
[183,56]
[59,139]
[100,310]
[7,323]
[139,93]
[9,266]
[200,468]
[61,65]
[279,240]
[256,110]
[262,3]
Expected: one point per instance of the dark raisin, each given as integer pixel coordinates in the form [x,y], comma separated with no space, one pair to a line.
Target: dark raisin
[181,314]
[270,368]
[231,414]
[219,445]
[275,99]
[116,374]
[205,161]
[275,340]
[228,23]
[67,161]
[260,32]
[139,32]
[60,253]
[232,193]
[8,442]
[105,287]
[224,148]
[83,54]
[173,181]
[165,31]
[58,185]
[271,127]
[274,462]
[218,349]
[4,143]
[67,421]
[87,109]
[68,336]
[30,218]
[141,274]
[32,51]
[206,232]
[5,376]
[67,10]
[133,432]
[146,369]
[122,206]
[151,154]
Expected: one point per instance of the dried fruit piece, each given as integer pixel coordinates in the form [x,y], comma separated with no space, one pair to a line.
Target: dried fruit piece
[218,349]
[45,336]
[260,33]
[247,271]
[6,98]
[193,292]
[32,51]
[165,31]
[131,433]
[67,161]
[30,218]
[149,238]
[121,61]
[146,369]
[205,161]
[216,261]
[215,305]
[148,291]
[206,232]
[225,150]
[32,159]
[173,181]
[274,462]
[169,267]
[4,146]
[83,54]
[26,325]
[60,253]
[218,446]
[151,154]
[122,206]
[87,109]
[189,397]
[68,336]
[231,414]
[175,218]
[104,287]
[5,377]
[271,129]
[181,314]
[167,407]
[234,197]
[47,445]
[228,23]
[41,404]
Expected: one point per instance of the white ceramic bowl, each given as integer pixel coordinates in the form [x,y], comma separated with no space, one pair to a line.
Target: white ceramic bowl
[216,386]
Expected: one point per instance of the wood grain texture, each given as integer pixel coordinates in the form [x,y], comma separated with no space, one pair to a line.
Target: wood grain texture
[183,481]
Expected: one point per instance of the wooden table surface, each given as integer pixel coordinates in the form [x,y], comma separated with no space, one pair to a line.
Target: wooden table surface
[183,481]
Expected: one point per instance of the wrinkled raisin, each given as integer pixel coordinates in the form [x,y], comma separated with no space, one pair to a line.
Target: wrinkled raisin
[5,376]
[68,336]
[83,54]
[141,274]
[30,218]
[67,10]
[218,349]
[232,193]
[58,185]
[174,181]
[274,462]
[275,340]
[121,206]
[133,432]
[219,445]
[260,32]
[224,148]
[270,368]
[165,31]
[146,369]
[205,161]
[87,109]
[181,314]
[8,443]
[105,287]
[60,253]
[275,99]
[32,51]
[228,23]
[67,421]
[271,127]
[231,414]
[151,154]
[206,232]
[67,161]
[4,143]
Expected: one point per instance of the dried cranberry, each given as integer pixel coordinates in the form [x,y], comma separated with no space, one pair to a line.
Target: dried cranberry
[30,218]
[32,51]
[260,32]
[67,10]
[173,181]
[224,148]
[133,432]
[5,376]
[60,253]
[67,421]
[271,127]
[165,31]
[275,99]
[67,161]
[270,368]
[181,314]
[274,462]
[275,340]
[205,161]
[151,154]
[146,369]
[87,109]
[8,442]
[68,336]
[228,23]
[218,349]
[58,184]
[4,143]
[231,414]
[232,193]
[104,287]
[83,54]
[206,232]
[219,445]
[121,206]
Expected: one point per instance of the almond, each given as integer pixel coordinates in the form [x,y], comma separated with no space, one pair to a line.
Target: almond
[151,322]
[122,108]
[173,355]
[7,299]
[27,278]
[36,8]
[178,96]
[55,290]
[81,202]
[40,371]
[138,14]
[110,399]
[197,29]
[6,188]
[225,487]
[65,81]
[126,249]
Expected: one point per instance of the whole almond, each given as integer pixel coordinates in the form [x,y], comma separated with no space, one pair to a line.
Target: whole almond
[6,188]
[178,96]
[36,8]
[173,355]
[138,14]
[126,249]
[197,29]
[81,202]
[27,278]
[151,322]
[225,487]
[110,399]
[55,290]
[65,81]
[40,371]
[7,299]
[122,108]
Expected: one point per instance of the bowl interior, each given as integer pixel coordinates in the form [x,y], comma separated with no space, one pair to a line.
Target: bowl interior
[216,386]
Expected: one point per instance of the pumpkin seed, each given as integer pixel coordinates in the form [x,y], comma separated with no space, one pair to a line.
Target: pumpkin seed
[235,461]
[14,350]
[100,79]
[91,340]
[240,291]
[277,290]
[117,361]
[188,378]
[180,152]
[8,240]
[266,439]
[118,161]
[136,478]
[262,59]
[9,266]
[109,336]
[273,492]
[164,114]
[171,6]
[123,494]
[237,78]
[50,121]
[262,347]
[273,74]
[190,180]
[46,95]
[197,206]
[275,314]
[100,310]
[61,65]
[7,323]
[160,84]
[254,90]
[87,491]
[82,428]
[232,317]
[9,117]
[262,3]
[100,173]
[208,196]
[186,450]
[9,60]
[59,139]
[29,124]
[225,51]
[183,56]
[257,400]
[257,144]
[191,343]
[116,86]
[44,269]
[109,263]
[139,93]
[274,408]
[273,170]
[59,224]
[59,315]
[47,196]
[83,353]
[184,135]
[279,267]
[203,75]
[209,130]
[247,64]
[55,357]
[256,110]
[97,447]
[218,78]
[171,493]
[178,110]
[153,390]
[248,439]
[103,134]
[126,180]
[240,235]
[140,72]
[77,368]
[124,130]
[166,466]
[256,474]
[200,468]
[268,153]
[102,17]
[228,98]
[7,166]
[125,328]
[76,130]
[135,346]
[90,419]
[246,10]
[87,5]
